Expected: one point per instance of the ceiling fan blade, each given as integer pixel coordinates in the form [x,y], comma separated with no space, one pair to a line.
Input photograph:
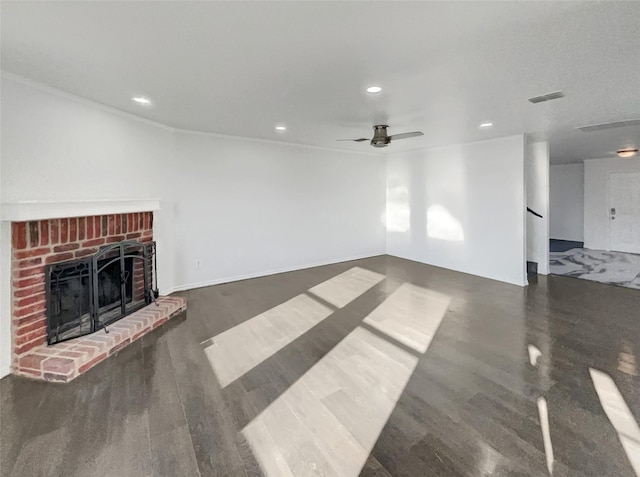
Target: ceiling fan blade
[406,135]
[355,140]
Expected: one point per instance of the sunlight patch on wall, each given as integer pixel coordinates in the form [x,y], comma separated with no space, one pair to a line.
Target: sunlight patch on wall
[327,422]
[442,225]
[241,348]
[398,215]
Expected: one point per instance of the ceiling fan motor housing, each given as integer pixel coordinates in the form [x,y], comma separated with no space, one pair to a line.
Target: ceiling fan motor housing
[380,136]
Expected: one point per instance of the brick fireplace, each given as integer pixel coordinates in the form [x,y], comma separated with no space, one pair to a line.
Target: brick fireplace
[41,243]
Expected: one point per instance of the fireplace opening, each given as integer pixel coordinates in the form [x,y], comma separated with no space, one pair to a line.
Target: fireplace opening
[109,289]
[88,294]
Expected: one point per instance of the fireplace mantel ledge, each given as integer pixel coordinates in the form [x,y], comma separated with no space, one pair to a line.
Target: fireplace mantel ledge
[50,209]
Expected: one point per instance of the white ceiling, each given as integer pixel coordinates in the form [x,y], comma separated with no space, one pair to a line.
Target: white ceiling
[241,67]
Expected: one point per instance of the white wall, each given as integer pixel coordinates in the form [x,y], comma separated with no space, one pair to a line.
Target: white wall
[537,184]
[5,271]
[241,207]
[248,208]
[59,147]
[596,198]
[566,197]
[460,207]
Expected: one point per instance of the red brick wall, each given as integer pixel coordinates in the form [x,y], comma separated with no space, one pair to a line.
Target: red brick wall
[38,243]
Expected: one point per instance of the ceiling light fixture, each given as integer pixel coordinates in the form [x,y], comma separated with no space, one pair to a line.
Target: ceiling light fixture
[281,128]
[486,125]
[627,152]
[374,89]
[141,100]
[546,97]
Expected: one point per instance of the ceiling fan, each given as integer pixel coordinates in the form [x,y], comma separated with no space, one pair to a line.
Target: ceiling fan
[382,139]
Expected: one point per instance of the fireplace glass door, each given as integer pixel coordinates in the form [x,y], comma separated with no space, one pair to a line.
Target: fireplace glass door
[89,294]
[69,300]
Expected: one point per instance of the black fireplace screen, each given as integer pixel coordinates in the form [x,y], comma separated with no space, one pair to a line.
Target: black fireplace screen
[88,294]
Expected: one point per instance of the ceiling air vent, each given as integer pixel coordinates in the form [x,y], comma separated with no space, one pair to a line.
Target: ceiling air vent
[611,125]
[547,97]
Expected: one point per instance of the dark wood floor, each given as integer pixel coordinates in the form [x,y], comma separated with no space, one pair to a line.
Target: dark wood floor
[469,409]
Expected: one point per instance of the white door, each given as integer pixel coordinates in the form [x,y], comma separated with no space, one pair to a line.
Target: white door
[624,211]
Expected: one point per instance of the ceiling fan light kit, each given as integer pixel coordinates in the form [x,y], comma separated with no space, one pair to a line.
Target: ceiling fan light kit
[627,152]
[382,139]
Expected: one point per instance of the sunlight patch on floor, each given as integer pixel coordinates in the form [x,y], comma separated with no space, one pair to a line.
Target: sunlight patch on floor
[328,421]
[620,416]
[534,354]
[543,412]
[241,348]
[346,287]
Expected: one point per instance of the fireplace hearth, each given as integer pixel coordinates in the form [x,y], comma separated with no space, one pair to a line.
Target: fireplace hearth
[88,294]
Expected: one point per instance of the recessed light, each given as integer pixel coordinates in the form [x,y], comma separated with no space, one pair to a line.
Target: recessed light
[374,89]
[280,127]
[486,125]
[627,152]
[141,100]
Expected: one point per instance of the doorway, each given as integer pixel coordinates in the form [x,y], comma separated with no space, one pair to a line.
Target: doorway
[624,211]
[595,221]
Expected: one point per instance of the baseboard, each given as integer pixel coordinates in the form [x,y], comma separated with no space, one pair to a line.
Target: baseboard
[237,278]
[543,268]
[521,283]
[566,240]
